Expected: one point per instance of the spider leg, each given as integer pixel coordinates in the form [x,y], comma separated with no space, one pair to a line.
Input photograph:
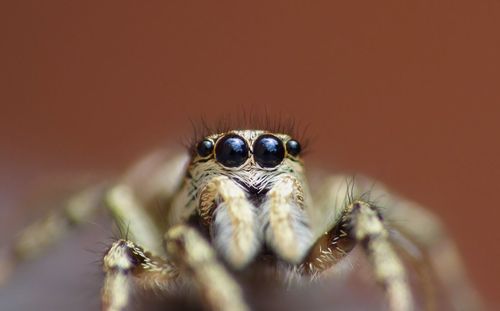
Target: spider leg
[190,251]
[126,263]
[135,202]
[134,259]
[132,219]
[415,233]
[158,175]
[434,253]
[40,235]
[357,223]
[421,237]
[368,229]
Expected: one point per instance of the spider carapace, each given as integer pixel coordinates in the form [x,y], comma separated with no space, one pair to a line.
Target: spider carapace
[240,196]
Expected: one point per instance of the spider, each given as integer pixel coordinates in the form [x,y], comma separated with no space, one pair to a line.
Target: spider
[241,199]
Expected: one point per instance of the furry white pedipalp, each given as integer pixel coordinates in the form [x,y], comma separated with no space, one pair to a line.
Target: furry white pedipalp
[284,222]
[234,227]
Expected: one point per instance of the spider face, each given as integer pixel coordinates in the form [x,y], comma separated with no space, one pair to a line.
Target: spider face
[237,183]
[254,159]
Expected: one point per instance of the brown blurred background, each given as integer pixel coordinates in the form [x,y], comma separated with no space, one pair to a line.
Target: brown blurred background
[405,91]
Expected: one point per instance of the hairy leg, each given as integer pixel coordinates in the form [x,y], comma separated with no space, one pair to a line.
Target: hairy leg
[132,219]
[420,236]
[434,254]
[414,231]
[156,176]
[136,258]
[196,257]
[347,222]
[362,224]
[138,200]
[40,235]
[126,264]
[369,229]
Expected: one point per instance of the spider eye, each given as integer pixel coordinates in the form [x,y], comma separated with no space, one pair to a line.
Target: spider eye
[293,147]
[268,151]
[231,151]
[205,148]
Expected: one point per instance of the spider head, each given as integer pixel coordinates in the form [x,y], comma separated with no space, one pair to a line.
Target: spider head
[252,158]
[248,188]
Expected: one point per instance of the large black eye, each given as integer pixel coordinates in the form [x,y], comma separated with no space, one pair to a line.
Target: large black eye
[268,151]
[293,147]
[231,151]
[205,148]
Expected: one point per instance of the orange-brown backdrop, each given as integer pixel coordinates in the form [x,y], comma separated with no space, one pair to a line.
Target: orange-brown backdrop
[405,91]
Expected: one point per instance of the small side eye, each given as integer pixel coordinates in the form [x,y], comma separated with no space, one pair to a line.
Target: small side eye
[231,151]
[293,147]
[205,148]
[268,151]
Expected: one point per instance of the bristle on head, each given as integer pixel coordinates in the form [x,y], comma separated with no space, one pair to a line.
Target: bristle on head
[278,124]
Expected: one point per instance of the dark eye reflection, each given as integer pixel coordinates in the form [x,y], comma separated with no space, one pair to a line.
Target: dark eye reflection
[205,148]
[268,151]
[231,151]
[293,147]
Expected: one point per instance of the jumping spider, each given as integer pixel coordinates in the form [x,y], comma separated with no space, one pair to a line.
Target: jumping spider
[242,198]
